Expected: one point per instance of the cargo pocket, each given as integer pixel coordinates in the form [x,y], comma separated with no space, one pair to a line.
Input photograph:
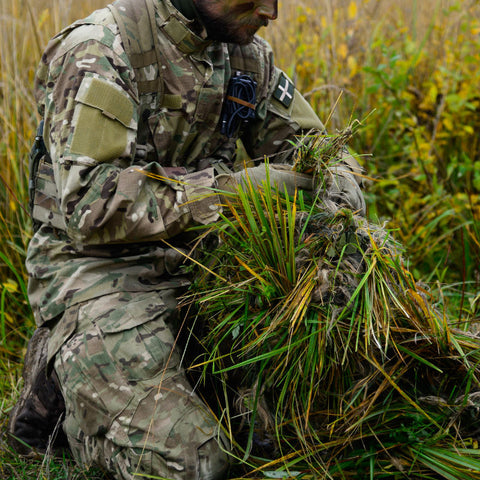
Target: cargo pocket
[103,115]
[139,339]
[101,367]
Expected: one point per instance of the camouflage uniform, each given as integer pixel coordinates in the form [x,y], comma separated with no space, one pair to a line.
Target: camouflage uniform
[100,275]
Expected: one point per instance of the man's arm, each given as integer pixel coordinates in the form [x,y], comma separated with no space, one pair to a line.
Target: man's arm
[91,121]
[286,120]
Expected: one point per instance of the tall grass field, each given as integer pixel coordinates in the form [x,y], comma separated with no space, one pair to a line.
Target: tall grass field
[405,73]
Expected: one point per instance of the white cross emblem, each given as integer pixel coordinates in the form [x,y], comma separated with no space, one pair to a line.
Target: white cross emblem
[284,89]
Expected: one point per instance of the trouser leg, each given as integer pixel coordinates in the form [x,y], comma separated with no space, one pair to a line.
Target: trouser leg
[129,406]
[193,449]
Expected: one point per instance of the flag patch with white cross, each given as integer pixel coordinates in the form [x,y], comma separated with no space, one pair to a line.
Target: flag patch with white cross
[284,91]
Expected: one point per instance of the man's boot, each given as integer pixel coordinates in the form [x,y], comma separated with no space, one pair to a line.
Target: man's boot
[35,421]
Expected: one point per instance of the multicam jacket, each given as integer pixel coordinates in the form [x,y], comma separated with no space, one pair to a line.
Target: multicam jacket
[103,216]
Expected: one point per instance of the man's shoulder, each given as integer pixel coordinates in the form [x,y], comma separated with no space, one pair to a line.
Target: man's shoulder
[98,27]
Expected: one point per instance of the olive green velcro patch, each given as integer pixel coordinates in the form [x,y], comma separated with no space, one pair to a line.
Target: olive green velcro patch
[103,115]
[172,102]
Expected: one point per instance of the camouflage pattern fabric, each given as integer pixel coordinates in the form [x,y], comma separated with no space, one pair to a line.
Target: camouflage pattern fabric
[98,261]
[129,406]
[103,138]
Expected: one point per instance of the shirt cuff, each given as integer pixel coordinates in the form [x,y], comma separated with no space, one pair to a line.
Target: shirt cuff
[202,199]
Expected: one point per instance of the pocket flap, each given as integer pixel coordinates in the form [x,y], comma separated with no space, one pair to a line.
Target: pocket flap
[112,102]
[134,313]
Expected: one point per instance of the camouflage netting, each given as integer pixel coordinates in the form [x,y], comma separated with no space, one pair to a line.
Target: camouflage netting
[332,359]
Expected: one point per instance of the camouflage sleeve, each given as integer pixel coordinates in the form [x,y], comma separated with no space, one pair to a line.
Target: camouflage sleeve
[283,115]
[87,98]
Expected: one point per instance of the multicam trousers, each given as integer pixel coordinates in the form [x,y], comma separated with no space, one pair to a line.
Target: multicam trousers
[129,407]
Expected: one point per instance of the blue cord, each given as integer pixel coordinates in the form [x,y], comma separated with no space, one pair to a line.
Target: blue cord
[240,88]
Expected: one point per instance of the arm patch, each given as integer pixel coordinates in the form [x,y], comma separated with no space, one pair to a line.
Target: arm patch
[284,90]
[101,121]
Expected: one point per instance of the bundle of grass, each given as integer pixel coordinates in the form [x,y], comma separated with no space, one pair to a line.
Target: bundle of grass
[333,360]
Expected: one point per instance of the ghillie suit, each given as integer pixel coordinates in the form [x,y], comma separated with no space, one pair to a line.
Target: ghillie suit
[341,358]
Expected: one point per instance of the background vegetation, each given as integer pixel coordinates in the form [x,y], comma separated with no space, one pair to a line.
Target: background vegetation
[408,71]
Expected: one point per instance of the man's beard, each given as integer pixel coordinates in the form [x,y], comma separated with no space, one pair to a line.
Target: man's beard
[227,28]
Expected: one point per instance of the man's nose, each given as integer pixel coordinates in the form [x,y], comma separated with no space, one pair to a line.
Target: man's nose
[268,9]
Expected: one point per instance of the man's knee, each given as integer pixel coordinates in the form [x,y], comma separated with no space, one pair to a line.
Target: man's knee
[209,462]
[213,460]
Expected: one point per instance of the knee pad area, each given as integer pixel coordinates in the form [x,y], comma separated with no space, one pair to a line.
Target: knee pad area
[213,460]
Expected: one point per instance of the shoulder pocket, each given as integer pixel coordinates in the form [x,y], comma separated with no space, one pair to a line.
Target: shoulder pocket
[103,116]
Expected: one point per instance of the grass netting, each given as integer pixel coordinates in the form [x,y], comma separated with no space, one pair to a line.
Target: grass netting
[332,360]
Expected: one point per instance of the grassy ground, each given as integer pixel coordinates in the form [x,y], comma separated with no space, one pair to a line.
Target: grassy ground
[408,71]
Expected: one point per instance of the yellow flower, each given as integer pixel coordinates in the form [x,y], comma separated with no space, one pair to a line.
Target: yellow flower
[352,65]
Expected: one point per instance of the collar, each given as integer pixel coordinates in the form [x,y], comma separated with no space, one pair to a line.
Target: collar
[178,27]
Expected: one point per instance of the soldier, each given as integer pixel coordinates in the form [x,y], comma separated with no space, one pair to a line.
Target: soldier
[142,89]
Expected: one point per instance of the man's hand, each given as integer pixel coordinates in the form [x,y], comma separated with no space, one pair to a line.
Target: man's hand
[281,175]
[339,183]
[342,187]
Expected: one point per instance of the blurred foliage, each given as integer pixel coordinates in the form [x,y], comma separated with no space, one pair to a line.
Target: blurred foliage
[410,72]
